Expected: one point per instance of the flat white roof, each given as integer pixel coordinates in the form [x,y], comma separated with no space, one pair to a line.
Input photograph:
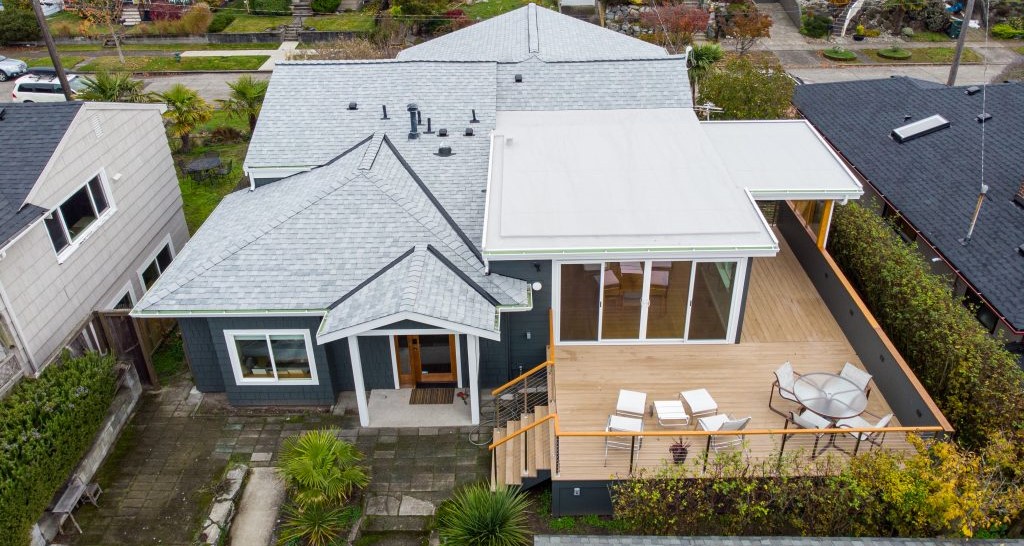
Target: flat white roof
[595,182]
[782,159]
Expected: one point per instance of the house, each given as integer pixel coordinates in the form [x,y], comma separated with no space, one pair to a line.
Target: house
[529,206]
[90,216]
[930,184]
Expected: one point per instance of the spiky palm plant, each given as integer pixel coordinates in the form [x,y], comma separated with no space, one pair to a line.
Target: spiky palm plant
[475,516]
[321,469]
[116,87]
[186,111]
[702,58]
[246,99]
[315,525]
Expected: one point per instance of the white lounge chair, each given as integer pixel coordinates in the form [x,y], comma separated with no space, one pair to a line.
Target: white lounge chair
[723,423]
[809,420]
[858,377]
[618,423]
[875,437]
[785,377]
[631,403]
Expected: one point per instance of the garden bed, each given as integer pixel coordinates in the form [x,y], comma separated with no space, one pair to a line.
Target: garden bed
[343,22]
[169,64]
[840,55]
[256,23]
[931,55]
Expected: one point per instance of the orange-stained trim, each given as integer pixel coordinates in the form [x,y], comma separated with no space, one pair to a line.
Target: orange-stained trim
[826,217]
[521,378]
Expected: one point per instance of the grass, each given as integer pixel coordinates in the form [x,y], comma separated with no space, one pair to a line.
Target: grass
[343,22]
[200,198]
[929,36]
[840,55]
[491,8]
[933,55]
[256,23]
[63,17]
[169,47]
[187,64]
[1019,50]
[169,359]
[67,60]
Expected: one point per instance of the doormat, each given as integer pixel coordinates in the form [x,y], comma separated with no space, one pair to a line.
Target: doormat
[432,396]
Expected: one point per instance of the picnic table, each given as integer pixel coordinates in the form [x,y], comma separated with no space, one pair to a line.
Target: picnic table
[202,167]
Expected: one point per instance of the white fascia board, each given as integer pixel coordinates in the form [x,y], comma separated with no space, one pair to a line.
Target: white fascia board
[207,313]
[805,194]
[634,254]
[275,172]
[322,339]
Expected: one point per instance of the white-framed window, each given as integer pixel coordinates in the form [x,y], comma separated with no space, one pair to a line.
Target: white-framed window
[283,357]
[157,263]
[124,299]
[78,216]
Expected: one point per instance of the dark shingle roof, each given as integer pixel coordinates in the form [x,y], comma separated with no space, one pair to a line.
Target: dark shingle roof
[29,134]
[934,180]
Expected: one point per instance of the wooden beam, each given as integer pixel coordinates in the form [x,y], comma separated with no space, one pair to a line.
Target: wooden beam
[826,221]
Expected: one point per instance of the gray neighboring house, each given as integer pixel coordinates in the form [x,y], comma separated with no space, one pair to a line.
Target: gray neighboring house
[90,214]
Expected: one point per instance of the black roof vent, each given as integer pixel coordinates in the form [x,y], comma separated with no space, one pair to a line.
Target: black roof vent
[919,128]
[3,113]
[519,78]
[469,131]
[972,90]
[474,120]
[982,118]
[428,131]
[444,151]
[352,106]
[442,132]
[385,107]
[906,117]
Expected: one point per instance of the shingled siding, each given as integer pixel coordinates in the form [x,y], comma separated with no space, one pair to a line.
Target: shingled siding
[500,362]
[202,356]
[278,394]
[375,353]
[341,365]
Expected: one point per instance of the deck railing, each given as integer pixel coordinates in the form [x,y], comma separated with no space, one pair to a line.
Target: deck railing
[533,388]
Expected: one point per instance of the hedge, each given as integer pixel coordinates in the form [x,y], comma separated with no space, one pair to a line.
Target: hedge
[46,426]
[974,380]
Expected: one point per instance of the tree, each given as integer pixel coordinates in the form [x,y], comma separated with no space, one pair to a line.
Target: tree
[186,110]
[117,87]
[749,89]
[702,58]
[900,8]
[246,99]
[675,24]
[106,13]
[746,25]
[18,25]
[427,15]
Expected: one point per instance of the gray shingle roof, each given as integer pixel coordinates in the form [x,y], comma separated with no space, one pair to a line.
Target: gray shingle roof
[934,180]
[532,31]
[29,134]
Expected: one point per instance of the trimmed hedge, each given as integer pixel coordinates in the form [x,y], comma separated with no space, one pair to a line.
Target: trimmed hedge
[325,6]
[46,426]
[974,380]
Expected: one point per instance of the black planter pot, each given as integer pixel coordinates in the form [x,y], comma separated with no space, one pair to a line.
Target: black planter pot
[679,453]
[858,37]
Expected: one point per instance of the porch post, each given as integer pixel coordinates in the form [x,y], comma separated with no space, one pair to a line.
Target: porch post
[474,377]
[826,224]
[357,379]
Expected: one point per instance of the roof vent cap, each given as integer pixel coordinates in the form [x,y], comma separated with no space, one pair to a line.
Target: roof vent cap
[982,118]
[919,128]
[469,131]
[352,106]
[519,78]
[972,90]
[444,151]
[442,132]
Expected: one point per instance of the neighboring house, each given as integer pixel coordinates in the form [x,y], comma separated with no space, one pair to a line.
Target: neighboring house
[90,215]
[930,184]
[531,189]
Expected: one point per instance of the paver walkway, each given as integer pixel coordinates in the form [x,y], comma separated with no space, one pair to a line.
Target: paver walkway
[159,480]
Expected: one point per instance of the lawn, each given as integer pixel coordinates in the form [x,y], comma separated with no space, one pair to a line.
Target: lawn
[256,23]
[200,198]
[67,60]
[934,55]
[169,47]
[491,8]
[168,64]
[344,22]
[1019,50]
[63,17]
[929,36]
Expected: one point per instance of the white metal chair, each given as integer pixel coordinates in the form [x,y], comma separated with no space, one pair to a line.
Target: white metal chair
[618,423]
[809,420]
[631,403]
[785,377]
[875,437]
[858,377]
[723,423]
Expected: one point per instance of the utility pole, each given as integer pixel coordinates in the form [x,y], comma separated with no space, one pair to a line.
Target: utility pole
[968,12]
[52,48]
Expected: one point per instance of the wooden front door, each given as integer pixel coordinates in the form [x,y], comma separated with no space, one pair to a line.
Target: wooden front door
[425,359]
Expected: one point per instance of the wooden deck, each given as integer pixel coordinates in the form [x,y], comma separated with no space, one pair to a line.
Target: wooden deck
[785,320]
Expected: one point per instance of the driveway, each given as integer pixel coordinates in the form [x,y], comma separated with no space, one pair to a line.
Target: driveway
[967,75]
[210,85]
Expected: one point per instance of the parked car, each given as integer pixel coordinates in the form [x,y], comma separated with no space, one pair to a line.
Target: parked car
[11,68]
[36,88]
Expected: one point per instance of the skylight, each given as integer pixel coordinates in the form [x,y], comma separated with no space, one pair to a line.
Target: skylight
[919,128]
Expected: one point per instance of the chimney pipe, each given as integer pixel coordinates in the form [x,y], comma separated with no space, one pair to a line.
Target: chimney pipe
[428,131]
[385,107]
[419,118]
[474,120]
[413,129]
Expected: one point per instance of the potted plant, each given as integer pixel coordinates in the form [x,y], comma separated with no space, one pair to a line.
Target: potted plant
[679,450]
[858,33]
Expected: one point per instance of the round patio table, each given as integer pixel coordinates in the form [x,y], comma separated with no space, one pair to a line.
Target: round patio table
[830,395]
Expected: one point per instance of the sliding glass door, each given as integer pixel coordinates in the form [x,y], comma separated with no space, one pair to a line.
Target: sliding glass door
[646,300]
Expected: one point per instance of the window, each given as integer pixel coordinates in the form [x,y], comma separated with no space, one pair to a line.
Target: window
[157,266]
[278,356]
[76,214]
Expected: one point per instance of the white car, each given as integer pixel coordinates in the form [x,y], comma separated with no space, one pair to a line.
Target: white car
[10,68]
[37,88]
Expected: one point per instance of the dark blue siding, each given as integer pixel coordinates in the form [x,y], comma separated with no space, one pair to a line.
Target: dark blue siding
[341,365]
[519,352]
[202,358]
[375,353]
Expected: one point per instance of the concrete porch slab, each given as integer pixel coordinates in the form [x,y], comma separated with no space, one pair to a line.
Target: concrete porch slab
[390,408]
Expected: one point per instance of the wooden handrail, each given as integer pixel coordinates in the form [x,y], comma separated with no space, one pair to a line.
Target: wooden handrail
[528,428]
[522,377]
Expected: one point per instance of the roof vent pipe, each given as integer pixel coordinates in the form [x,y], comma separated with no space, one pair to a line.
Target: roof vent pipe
[444,151]
[419,118]
[385,107]
[519,78]
[474,120]
[413,129]
[442,132]
[469,131]
[428,131]
[352,106]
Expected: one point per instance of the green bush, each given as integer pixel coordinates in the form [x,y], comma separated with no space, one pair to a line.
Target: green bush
[325,6]
[46,425]
[220,21]
[271,7]
[320,469]
[839,54]
[18,25]
[895,52]
[475,515]
[316,525]
[815,25]
[1006,31]
[973,379]
[748,88]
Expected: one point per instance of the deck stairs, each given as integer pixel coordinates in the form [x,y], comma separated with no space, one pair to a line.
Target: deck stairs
[527,458]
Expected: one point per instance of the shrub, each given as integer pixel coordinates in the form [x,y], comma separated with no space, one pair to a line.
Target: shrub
[837,53]
[935,17]
[356,48]
[746,25]
[321,469]
[46,425]
[973,379]
[1006,31]
[815,25]
[325,6]
[475,515]
[220,21]
[895,52]
[676,24]
[18,25]
[907,32]
[748,89]
[196,20]
[271,7]
[316,525]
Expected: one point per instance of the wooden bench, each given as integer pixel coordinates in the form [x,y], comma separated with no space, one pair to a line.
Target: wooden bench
[75,493]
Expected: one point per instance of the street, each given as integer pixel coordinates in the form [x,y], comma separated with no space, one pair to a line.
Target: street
[211,85]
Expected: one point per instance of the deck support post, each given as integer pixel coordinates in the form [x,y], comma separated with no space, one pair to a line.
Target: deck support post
[357,378]
[785,437]
[707,454]
[473,343]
